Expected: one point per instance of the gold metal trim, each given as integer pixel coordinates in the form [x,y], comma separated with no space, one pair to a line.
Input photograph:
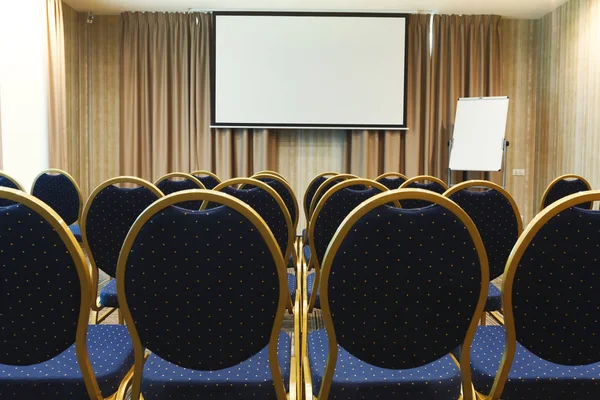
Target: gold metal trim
[13,180]
[185,176]
[351,219]
[76,253]
[421,178]
[393,175]
[203,172]
[54,171]
[509,276]
[321,188]
[315,262]
[311,183]
[83,225]
[561,178]
[265,232]
[270,172]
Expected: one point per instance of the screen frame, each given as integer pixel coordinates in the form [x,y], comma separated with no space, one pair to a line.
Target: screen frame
[213,60]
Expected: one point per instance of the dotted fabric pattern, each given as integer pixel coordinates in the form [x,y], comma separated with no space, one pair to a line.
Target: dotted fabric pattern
[494,299]
[209,182]
[286,195]
[108,295]
[39,283]
[326,187]
[111,355]
[7,183]
[59,192]
[392,183]
[310,285]
[496,221]
[564,188]
[530,377]
[266,206]
[403,286]
[111,215]
[250,379]
[169,186]
[357,380]
[431,186]
[202,287]
[555,291]
[311,190]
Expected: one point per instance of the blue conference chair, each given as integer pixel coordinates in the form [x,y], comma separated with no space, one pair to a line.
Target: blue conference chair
[550,347]
[59,190]
[334,206]
[391,180]
[47,349]
[563,186]
[497,217]
[384,275]
[424,182]
[7,181]
[269,205]
[208,179]
[188,284]
[270,172]
[178,181]
[107,216]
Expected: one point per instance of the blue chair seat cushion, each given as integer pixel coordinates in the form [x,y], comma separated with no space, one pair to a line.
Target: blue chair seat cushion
[357,380]
[530,376]
[292,285]
[306,252]
[108,295]
[111,354]
[249,380]
[76,231]
[310,282]
[494,299]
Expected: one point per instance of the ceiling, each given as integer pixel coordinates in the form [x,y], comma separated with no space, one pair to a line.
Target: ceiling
[507,8]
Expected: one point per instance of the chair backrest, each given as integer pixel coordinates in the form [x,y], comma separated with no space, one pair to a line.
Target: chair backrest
[391,180]
[322,189]
[45,287]
[551,286]
[425,182]
[563,186]
[8,181]
[268,204]
[208,179]
[385,274]
[496,216]
[59,190]
[108,215]
[222,285]
[312,188]
[283,188]
[178,181]
[270,172]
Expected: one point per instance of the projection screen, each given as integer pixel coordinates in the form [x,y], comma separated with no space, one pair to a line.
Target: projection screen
[317,70]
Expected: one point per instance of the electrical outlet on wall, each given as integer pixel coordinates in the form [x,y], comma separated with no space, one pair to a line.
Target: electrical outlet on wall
[518,172]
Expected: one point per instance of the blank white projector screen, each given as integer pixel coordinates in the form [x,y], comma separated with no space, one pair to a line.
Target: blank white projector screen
[309,70]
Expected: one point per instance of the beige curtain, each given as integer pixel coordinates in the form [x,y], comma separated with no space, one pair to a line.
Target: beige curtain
[371,153]
[466,62]
[57,106]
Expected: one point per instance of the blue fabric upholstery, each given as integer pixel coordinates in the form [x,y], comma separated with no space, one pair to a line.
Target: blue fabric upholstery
[356,380]
[249,380]
[530,376]
[496,222]
[555,290]
[392,183]
[209,182]
[59,192]
[112,212]
[7,183]
[387,280]
[331,182]
[310,283]
[564,188]
[111,355]
[38,283]
[310,192]
[170,186]
[108,295]
[494,299]
[286,195]
[76,231]
[292,285]
[306,251]
[202,287]
[431,186]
